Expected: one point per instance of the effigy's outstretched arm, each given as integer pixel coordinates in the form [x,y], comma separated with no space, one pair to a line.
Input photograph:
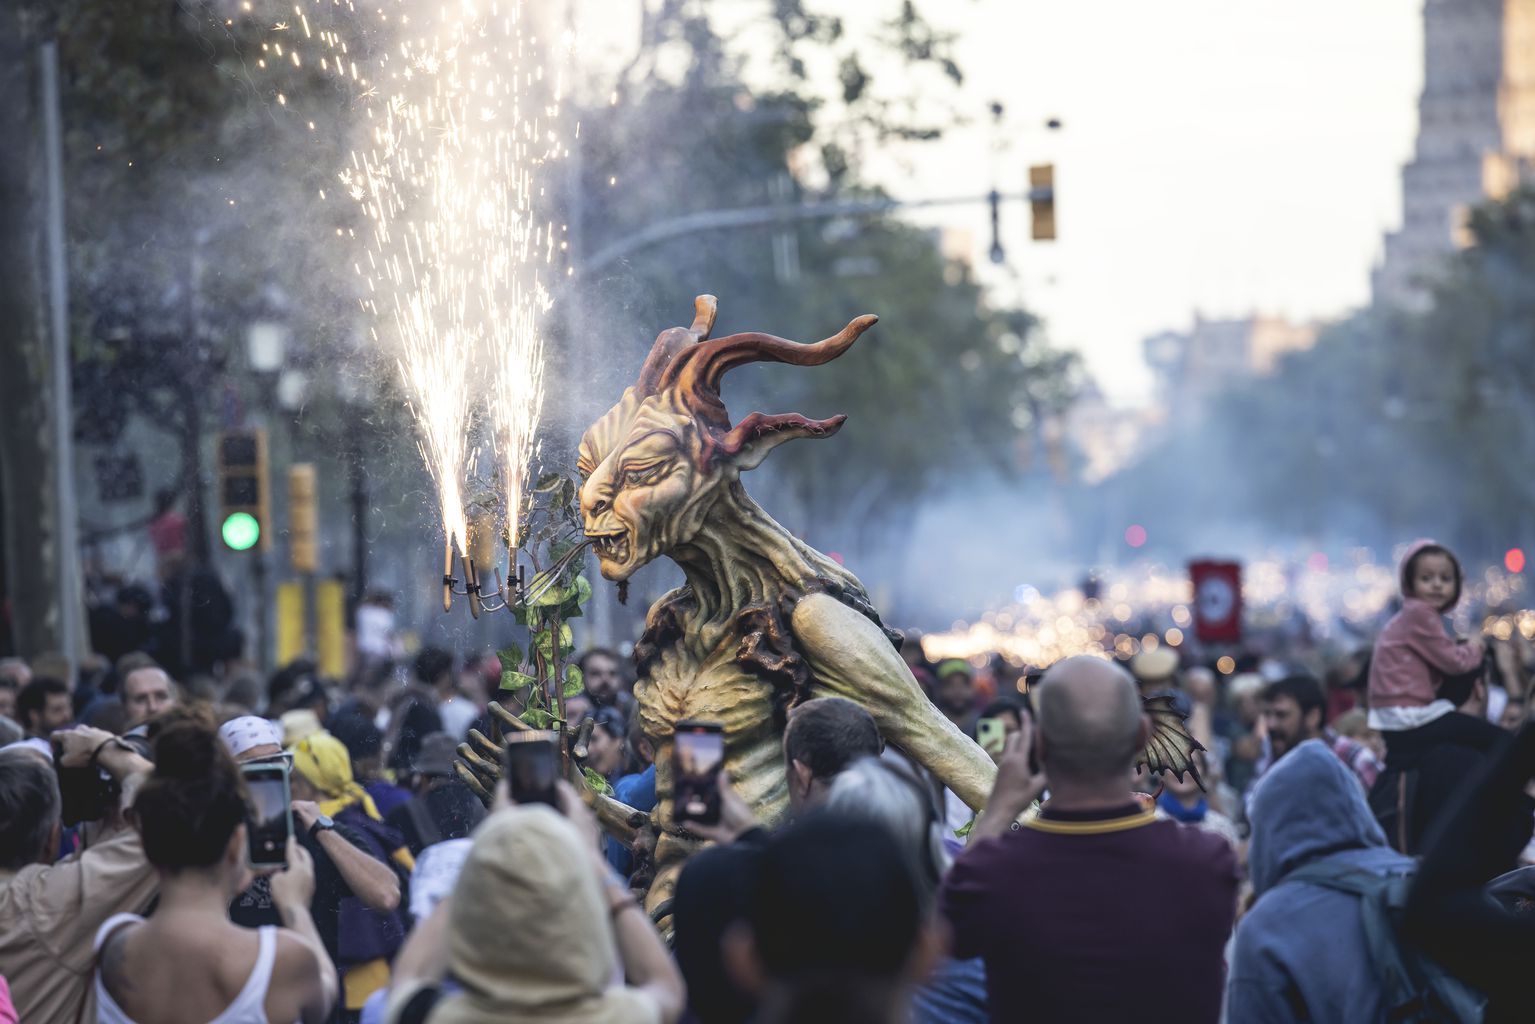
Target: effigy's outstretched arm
[851,658]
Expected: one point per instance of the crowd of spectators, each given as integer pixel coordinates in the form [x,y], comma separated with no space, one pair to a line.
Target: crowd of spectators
[1322,863]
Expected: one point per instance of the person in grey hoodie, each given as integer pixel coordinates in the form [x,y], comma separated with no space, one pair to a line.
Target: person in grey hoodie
[1300,952]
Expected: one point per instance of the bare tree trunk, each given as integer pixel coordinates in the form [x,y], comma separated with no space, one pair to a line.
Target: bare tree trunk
[28,461]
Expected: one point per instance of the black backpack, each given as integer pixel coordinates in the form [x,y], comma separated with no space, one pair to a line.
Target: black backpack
[1415,989]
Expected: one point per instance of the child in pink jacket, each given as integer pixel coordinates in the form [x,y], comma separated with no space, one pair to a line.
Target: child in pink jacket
[1413,653]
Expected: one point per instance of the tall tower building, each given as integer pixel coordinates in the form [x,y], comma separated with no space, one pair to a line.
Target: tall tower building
[1476,134]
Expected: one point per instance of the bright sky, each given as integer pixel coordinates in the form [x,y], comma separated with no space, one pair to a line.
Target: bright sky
[1216,156]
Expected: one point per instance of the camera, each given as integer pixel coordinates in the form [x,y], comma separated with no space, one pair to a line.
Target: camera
[89,793]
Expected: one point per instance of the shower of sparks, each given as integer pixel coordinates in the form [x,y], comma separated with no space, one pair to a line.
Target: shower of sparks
[461,118]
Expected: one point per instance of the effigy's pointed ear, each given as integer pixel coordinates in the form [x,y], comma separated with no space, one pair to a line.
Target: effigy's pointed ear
[749,442]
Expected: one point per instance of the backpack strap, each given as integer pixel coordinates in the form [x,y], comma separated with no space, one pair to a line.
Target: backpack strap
[1414,988]
[1341,877]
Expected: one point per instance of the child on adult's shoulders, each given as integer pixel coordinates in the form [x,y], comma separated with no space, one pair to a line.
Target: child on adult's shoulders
[1414,653]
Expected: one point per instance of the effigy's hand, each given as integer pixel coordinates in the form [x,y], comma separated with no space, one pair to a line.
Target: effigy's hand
[1018,785]
[479,758]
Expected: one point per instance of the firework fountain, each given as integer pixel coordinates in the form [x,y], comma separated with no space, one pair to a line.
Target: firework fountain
[459,108]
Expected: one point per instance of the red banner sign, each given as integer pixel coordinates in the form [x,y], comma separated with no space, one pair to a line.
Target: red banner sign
[1217,601]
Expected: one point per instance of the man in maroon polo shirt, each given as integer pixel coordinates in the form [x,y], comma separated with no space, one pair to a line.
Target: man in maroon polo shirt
[1094,910]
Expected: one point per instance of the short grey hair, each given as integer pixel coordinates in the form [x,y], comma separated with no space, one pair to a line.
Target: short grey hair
[10,732]
[30,806]
[894,797]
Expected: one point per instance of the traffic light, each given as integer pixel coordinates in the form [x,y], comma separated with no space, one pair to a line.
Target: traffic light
[303,521]
[1042,202]
[242,481]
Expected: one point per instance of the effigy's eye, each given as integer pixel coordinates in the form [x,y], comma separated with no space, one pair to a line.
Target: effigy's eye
[642,476]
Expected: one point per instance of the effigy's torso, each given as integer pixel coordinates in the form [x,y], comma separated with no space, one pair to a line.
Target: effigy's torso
[743,672]
[699,680]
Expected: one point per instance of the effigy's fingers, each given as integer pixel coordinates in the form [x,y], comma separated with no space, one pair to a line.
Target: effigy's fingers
[469,779]
[578,744]
[506,718]
[488,770]
[484,745]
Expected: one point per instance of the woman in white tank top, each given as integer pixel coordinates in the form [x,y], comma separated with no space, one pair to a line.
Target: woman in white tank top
[188,963]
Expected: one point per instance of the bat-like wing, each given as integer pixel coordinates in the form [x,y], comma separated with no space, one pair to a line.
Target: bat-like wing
[1171,746]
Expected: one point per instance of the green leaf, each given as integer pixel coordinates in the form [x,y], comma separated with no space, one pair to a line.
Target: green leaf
[963,832]
[548,482]
[511,657]
[553,593]
[566,494]
[597,782]
[538,718]
[543,641]
[511,679]
[574,681]
[583,590]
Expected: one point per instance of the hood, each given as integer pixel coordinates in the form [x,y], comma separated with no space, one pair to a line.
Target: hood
[529,931]
[1309,805]
[1412,550]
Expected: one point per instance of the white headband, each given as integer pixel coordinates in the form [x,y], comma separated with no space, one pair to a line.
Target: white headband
[241,734]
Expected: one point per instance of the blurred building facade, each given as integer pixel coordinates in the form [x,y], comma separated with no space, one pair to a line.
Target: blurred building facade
[1193,366]
[1476,134]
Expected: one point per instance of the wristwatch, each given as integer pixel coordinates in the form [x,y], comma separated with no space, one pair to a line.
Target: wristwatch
[321,824]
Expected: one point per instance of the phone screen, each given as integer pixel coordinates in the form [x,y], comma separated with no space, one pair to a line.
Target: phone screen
[991,734]
[698,754]
[267,823]
[531,763]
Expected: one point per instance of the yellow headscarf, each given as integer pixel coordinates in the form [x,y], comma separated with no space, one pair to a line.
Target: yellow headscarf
[324,762]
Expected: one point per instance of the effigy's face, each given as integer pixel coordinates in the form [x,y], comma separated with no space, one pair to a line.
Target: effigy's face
[642,493]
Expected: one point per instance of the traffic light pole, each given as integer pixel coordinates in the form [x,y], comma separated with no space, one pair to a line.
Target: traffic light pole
[263,643]
[775,213]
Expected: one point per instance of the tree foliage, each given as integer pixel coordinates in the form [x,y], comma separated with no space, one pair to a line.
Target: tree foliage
[946,384]
[1394,425]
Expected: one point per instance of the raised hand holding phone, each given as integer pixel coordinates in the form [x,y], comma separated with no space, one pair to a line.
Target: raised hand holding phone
[268,824]
[698,755]
[530,764]
[294,885]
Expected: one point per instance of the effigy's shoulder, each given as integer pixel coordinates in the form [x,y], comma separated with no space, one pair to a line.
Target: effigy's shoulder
[827,615]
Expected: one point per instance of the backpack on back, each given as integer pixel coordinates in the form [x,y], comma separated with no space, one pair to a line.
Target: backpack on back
[1415,989]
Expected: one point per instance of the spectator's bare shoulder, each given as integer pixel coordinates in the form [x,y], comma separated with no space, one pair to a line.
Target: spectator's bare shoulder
[295,962]
[297,977]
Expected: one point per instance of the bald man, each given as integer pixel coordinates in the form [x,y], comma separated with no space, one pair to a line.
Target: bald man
[1093,909]
[146,692]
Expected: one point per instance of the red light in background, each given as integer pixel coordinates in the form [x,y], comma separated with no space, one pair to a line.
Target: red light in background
[1135,536]
[1513,560]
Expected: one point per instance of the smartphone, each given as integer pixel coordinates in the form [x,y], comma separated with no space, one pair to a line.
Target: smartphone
[698,754]
[991,734]
[531,763]
[268,823]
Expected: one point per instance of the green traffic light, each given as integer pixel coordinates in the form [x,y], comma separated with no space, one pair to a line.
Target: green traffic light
[241,531]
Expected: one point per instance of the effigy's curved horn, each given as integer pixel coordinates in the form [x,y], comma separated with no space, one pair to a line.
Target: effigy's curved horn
[672,341]
[705,309]
[696,372]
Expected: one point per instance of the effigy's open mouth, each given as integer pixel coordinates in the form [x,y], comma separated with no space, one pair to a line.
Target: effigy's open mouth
[611,547]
